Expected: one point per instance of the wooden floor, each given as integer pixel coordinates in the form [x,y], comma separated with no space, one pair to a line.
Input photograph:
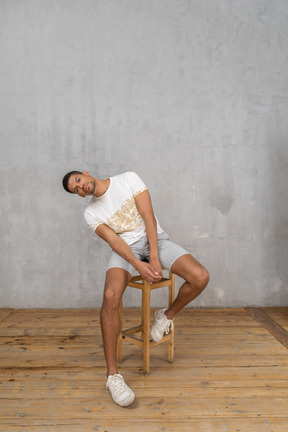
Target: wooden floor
[230,373]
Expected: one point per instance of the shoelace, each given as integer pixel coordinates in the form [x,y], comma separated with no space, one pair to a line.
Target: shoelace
[167,327]
[117,384]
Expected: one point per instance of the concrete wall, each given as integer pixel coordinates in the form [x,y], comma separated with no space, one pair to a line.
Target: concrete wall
[191,94]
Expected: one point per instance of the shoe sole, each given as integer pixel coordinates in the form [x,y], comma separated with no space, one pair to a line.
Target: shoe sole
[127,401]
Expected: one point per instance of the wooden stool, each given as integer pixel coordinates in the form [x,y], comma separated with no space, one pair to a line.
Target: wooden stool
[144,342]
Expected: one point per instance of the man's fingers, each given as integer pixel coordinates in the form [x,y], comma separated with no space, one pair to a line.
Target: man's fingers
[155,273]
[150,277]
[150,274]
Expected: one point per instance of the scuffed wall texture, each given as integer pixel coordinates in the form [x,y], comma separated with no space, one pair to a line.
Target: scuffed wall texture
[192,95]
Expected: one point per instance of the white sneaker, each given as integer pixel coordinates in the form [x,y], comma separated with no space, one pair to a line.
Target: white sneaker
[121,393]
[160,325]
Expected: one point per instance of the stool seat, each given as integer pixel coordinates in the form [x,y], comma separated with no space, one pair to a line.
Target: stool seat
[144,342]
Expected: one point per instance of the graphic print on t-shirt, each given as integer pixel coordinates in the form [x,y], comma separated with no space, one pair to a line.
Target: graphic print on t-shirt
[127,218]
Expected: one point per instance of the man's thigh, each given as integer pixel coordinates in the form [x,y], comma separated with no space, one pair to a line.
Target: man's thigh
[188,267]
[169,252]
[116,261]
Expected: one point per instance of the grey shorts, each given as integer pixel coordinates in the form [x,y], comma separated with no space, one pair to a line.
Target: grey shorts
[168,253]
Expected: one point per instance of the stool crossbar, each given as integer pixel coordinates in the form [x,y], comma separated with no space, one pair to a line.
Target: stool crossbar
[144,342]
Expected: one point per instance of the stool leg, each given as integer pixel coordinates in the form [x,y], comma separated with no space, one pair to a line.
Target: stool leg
[171,299]
[146,326]
[119,340]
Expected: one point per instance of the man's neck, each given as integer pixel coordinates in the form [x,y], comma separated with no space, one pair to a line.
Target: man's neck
[101,187]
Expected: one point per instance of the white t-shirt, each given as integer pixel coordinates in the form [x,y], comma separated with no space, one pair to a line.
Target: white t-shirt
[117,208]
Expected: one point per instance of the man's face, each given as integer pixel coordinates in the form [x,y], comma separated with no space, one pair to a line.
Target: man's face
[82,184]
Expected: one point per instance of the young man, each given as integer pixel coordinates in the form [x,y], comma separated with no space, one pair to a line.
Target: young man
[120,212]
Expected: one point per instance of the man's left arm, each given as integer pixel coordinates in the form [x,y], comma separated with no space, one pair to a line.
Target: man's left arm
[144,205]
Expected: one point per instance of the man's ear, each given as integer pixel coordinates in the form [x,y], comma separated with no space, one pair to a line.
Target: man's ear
[86,173]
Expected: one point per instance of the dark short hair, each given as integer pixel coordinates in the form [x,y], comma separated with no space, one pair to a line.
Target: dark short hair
[66,179]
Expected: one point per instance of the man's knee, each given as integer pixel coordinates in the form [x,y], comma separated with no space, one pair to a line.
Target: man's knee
[112,296]
[199,278]
[115,284]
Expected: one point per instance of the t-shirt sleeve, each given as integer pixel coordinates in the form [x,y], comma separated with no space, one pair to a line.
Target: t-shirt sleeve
[137,185]
[91,220]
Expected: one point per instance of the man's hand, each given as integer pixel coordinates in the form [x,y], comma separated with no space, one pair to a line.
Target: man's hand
[156,266]
[147,271]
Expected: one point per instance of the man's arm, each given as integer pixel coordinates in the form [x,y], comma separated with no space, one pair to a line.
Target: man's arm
[123,249]
[144,205]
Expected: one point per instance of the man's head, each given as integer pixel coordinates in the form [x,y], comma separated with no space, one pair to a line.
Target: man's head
[79,183]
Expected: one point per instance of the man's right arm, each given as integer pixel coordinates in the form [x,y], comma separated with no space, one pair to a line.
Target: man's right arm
[123,249]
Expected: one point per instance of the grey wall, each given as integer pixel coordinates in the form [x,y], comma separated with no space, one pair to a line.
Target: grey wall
[192,95]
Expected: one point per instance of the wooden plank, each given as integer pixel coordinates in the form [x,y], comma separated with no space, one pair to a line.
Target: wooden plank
[188,334]
[136,361]
[280,309]
[267,424]
[203,350]
[132,357]
[4,313]
[182,390]
[280,315]
[187,329]
[206,345]
[231,374]
[143,407]
[273,327]
[86,331]
[211,390]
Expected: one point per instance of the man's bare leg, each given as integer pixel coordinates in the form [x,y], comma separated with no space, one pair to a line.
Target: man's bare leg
[115,284]
[196,278]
